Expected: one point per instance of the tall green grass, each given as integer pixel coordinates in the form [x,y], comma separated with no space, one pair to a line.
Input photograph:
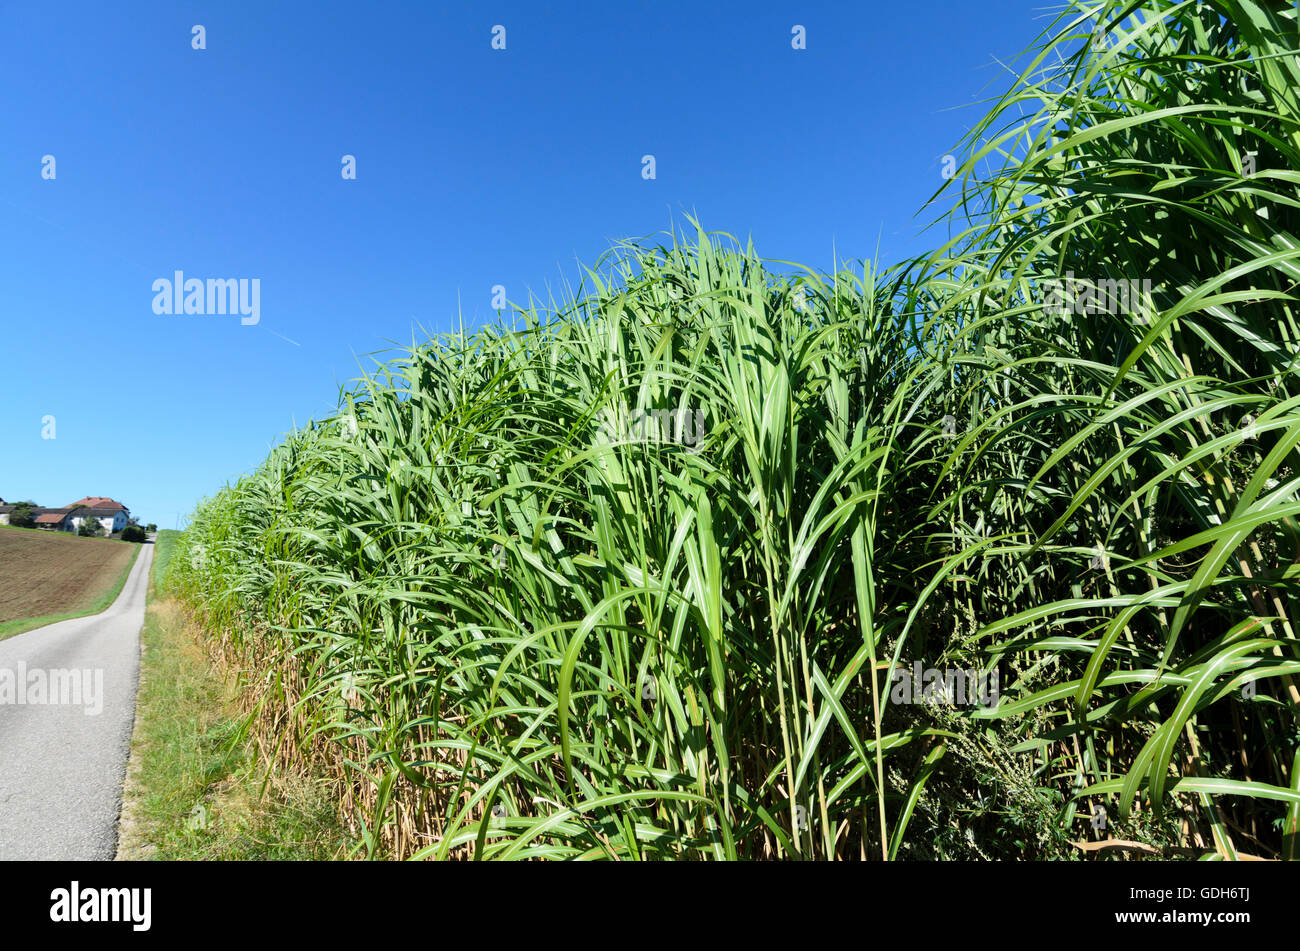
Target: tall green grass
[510,635]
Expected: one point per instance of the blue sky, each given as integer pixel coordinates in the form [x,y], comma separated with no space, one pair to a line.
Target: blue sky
[475,167]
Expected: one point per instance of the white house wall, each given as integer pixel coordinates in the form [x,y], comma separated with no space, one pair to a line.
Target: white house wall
[107,526]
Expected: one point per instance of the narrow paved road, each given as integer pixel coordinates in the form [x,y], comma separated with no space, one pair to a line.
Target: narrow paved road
[62,763]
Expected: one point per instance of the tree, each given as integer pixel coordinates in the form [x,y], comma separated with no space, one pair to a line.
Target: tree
[21,516]
[133,533]
[89,526]
[151,527]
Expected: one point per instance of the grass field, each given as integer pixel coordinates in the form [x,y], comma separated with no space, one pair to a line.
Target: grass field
[47,577]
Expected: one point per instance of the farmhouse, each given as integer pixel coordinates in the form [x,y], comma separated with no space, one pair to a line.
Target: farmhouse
[113,516]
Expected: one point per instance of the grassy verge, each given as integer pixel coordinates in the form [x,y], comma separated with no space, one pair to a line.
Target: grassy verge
[196,787]
[22,625]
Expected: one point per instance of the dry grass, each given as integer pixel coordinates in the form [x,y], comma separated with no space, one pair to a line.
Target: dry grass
[198,786]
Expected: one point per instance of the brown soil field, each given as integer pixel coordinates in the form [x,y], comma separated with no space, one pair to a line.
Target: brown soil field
[43,573]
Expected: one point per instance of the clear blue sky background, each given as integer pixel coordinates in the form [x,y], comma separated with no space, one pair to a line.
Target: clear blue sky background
[474,167]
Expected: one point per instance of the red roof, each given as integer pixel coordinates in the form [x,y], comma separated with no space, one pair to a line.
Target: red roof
[98,502]
[52,518]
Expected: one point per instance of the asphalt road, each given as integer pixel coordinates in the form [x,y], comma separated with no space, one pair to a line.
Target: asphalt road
[62,763]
